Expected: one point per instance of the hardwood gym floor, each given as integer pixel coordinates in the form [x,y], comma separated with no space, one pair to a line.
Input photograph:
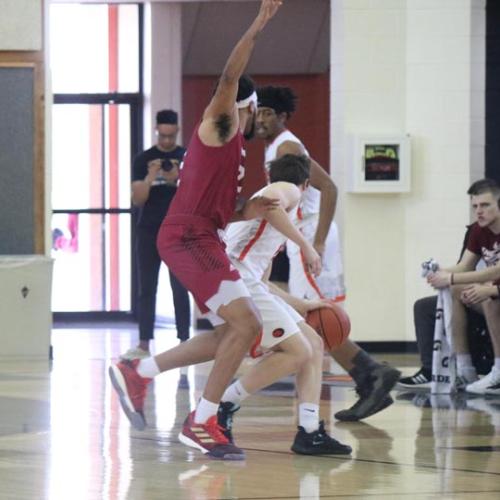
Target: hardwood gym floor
[63,437]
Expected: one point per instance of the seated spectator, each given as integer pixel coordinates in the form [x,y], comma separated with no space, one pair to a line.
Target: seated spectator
[478,289]
[424,317]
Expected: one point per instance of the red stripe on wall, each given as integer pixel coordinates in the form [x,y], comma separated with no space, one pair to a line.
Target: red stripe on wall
[114,247]
[95,200]
[113,47]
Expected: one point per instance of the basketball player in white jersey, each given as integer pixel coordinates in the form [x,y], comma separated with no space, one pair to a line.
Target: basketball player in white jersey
[373,380]
[290,344]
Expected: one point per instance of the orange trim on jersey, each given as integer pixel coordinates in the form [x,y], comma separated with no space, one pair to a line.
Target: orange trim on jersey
[310,277]
[300,216]
[255,351]
[252,242]
[339,298]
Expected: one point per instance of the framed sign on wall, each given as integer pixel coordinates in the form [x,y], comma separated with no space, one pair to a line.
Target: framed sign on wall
[379,164]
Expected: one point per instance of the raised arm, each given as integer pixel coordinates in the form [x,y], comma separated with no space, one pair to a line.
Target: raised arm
[222,114]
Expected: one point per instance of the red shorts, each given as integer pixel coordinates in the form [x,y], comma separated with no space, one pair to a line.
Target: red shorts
[191,248]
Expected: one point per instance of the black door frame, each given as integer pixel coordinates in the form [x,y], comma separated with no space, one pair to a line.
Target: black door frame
[135,101]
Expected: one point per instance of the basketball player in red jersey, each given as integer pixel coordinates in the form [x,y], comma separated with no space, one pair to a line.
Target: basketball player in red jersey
[188,242]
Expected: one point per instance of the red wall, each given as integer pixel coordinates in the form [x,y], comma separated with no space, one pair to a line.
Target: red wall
[310,122]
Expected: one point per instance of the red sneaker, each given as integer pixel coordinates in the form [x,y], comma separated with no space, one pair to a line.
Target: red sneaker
[131,389]
[209,439]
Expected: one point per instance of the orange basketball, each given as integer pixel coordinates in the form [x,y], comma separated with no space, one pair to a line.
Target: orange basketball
[333,325]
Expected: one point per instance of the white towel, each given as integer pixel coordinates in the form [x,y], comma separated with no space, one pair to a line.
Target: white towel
[444,363]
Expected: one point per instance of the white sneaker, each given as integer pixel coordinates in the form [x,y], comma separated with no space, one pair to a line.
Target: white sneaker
[465,377]
[135,353]
[489,384]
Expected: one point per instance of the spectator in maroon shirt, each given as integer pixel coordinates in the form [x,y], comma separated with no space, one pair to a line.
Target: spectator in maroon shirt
[478,289]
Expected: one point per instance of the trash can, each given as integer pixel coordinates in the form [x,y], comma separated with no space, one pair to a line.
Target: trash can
[25,307]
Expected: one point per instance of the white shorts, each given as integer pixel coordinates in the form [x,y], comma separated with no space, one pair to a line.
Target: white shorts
[330,283]
[228,291]
[280,321]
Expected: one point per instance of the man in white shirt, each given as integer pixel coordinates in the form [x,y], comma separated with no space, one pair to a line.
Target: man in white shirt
[373,381]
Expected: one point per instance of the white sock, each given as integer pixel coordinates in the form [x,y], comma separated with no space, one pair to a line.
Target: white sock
[148,368]
[205,410]
[464,361]
[309,416]
[497,364]
[235,394]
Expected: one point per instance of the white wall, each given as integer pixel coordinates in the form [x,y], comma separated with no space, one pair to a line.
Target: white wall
[415,67]
[21,24]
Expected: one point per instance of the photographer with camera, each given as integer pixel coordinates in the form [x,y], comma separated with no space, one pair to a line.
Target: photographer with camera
[154,182]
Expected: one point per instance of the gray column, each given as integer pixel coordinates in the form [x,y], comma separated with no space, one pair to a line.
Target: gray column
[162,62]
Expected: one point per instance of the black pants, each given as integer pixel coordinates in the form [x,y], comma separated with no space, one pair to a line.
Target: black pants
[148,267]
[481,350]
[424,317]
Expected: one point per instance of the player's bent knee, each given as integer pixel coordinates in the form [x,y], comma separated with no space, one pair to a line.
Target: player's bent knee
[248,324]
[456,292]
[318,346]
[305,354]
[315,341]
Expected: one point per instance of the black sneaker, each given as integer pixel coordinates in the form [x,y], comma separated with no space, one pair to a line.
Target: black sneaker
[225,418]
[421,380]
[318,443]
[373,394]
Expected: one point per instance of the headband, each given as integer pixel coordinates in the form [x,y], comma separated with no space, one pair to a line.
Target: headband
[245,102]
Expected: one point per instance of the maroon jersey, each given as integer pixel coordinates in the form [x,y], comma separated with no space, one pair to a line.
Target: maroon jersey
[484,243]
[210,180]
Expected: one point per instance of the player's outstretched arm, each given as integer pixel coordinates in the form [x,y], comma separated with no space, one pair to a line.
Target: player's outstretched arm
[327,203]
[302,306]
[289,197]
[328,190]
[223,102]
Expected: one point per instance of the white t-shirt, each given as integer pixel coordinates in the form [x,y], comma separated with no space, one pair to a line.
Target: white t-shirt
[311,197]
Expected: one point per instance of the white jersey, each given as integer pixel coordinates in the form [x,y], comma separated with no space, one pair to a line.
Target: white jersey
[251,246]
[330,283]
[254,243]
[311,196]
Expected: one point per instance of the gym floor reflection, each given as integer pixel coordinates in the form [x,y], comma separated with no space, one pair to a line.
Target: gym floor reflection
[63,436]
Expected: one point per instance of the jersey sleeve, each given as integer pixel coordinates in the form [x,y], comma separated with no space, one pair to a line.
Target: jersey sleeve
[474,240]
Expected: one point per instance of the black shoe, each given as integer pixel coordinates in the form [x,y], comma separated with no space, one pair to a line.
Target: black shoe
[225,418]
[373,394]
[318,443]
[421,380]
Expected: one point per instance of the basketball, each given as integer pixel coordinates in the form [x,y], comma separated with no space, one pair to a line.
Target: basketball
[333,325]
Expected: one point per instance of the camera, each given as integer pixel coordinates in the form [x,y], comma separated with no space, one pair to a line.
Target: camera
[166,165]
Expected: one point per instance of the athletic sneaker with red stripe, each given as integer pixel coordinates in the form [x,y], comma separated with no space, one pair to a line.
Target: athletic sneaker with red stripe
[209,439]
[131,389]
